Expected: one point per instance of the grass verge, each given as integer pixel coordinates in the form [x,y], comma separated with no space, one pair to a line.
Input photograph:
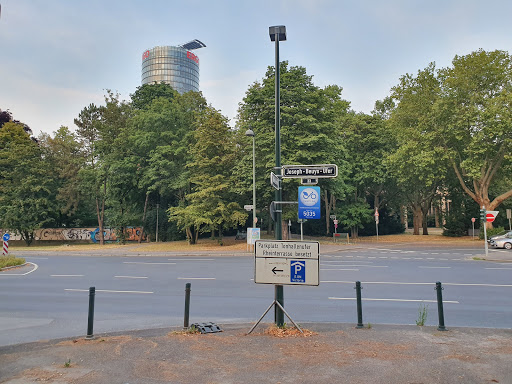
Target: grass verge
[11,261]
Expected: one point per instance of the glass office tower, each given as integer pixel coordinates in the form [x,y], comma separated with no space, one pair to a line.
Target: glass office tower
[176,66]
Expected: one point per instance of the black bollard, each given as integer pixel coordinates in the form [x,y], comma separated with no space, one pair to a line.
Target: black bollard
[187,305]
[440,310]
[90,320]
[359,305]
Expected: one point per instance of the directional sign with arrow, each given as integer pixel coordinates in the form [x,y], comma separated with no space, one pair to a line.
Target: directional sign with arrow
[284,262]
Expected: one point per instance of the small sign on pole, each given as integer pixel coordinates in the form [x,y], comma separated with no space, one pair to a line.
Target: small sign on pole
[6,238]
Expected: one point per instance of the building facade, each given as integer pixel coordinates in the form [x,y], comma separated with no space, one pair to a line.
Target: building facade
[177,66]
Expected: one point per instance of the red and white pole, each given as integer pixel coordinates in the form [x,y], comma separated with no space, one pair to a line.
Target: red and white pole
[6,248]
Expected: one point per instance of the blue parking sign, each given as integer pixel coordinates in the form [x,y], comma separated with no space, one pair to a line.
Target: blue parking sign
[309,202]
[297,271]
[6,237]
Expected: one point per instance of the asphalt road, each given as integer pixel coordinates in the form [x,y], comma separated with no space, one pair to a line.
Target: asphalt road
[49,298]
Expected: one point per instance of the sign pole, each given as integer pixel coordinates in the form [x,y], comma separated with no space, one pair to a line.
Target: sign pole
[278,33]
[485,232]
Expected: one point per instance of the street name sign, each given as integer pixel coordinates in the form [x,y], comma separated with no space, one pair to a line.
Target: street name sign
[274,181]
[285,262]
[310,171]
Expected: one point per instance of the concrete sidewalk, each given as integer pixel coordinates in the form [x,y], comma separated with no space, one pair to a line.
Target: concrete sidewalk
[334,353]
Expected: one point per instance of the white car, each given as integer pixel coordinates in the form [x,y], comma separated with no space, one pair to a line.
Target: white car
[502,241]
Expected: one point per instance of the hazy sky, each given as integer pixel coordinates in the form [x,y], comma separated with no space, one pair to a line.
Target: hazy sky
[56,57]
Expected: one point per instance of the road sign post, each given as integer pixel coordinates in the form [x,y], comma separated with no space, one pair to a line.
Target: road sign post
[509,215]
[483,215]
[6,238]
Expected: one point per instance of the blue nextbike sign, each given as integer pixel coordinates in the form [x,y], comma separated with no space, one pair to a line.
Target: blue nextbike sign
[309,202]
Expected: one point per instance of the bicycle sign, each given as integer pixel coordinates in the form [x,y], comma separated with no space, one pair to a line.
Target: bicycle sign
[309,202]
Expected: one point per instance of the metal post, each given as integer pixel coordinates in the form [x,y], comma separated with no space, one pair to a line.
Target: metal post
[254,181]
[279,290]
[485,232]
[473,230]
[157,209]
[187,305]
[301,230]
[359,305]
[90,319]
[440,311]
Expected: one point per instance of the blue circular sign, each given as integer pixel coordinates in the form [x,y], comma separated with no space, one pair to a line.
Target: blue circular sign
[7,237]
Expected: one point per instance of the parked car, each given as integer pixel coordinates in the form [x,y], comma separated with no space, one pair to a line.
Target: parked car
[502,241]
[241,235]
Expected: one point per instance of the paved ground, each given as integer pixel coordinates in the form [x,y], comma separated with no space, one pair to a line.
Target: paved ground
[335,353]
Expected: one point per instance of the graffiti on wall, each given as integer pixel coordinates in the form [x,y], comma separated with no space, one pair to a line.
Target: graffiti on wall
[79,234]
[131,234]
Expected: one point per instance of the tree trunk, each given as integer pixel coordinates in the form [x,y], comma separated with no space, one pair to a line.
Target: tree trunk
[417,219]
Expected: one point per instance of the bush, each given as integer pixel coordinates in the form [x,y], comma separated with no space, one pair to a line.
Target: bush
[10,261]
[492,232]
[455,226]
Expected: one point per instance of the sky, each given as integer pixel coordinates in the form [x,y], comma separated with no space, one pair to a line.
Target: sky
[57,57]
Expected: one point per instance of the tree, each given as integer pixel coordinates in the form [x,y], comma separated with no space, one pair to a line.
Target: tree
[65,158]
[210,207]
[309,133]
[419,162]
[146,93]
[25,203]
[476,116]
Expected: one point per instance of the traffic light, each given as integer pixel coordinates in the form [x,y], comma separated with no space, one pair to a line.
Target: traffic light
[482,214]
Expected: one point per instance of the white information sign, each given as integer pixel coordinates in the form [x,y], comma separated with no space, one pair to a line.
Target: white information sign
[284,262]
[253,234]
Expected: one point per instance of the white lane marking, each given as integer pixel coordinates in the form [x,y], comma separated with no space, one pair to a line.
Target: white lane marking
[399,300]
[22,274]
[497,268]
[434,267]
[334,269]
[131,277]
[106,290]
[404,283]
[144,262]
[67,275]
[197,278]
[191,259]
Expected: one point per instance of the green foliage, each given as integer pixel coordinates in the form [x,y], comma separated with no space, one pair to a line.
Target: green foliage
[25,188]
[422,315]
[11,261]
[492,232]
[455,225]
[144,95]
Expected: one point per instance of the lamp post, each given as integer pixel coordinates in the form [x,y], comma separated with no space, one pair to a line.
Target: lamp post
[278,33]
[250,133]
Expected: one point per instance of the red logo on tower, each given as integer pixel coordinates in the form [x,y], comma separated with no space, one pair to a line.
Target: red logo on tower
[145,55]
[191,56]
